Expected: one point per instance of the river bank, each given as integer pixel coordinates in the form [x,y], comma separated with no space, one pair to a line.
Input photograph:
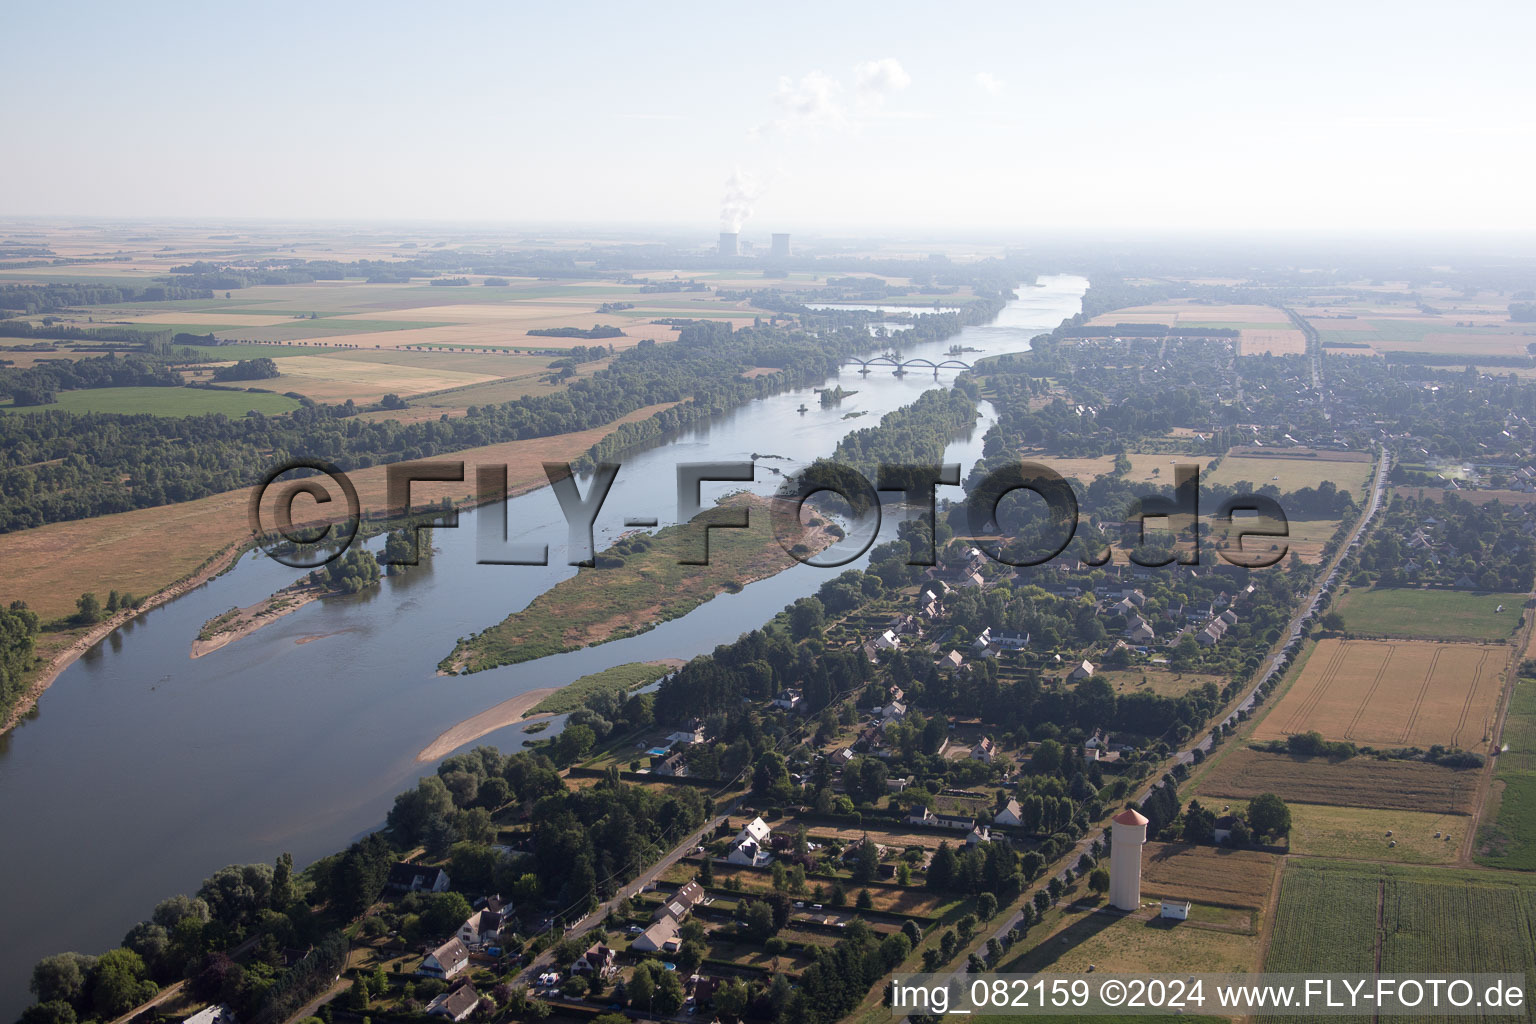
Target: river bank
[106,627]
[300,746]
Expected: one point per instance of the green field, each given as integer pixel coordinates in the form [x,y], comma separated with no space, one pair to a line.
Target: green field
[1291,474]
[229,353]
[1431,614]
[1432,919]
[1509,841]
[618,679]
[1397,330]
[166,402]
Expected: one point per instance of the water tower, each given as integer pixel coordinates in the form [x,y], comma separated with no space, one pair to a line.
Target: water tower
[1127,834]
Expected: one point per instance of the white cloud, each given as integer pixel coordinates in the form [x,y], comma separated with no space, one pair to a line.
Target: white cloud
[813,101]
[874,80]
[988,82]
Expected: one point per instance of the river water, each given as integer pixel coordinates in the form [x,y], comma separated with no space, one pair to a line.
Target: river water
[145,771]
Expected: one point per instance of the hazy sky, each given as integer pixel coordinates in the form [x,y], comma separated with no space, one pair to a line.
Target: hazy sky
[1389,116]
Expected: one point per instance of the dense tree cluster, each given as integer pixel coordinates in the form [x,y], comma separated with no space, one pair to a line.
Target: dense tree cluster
[36,385]
[260,368]
[18,636]
[31,299]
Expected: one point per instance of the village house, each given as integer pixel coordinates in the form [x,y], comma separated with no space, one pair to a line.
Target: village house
[484,926]
[218,1013]
[598,960]
[681,902]
[660,937]
[417,878]
[455,1004]
[446,960]
[1011,815]
[1081,672]
[750,847]
[984,751]
[675,766]
[953,659]
[978,834]
[788,700]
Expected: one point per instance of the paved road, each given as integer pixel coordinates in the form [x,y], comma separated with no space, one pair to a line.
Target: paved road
[546,959]
[1308,609]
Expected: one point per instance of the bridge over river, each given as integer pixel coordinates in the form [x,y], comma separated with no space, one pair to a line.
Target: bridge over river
[900,366]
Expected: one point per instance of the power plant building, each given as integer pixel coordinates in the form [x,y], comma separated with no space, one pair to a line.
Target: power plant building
[780,250]
[728,240]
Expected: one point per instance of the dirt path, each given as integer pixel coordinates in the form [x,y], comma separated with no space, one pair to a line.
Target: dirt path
[99,632]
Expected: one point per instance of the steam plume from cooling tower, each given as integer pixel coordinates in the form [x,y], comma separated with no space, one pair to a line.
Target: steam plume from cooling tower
[741,192]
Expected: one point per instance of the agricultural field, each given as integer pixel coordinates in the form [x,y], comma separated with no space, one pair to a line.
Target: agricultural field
[1207,874]
[1278,342]
[1292,473]
[1393,694]
[1508,835]
[1193,313]
[1244,773]
[166,401]
[1356,833]
[333,380]
[1431,919]
[1455,334]
[1431,614]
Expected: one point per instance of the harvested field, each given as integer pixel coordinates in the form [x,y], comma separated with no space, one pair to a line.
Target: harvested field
[1393,694]
[1256,342]
[1207,874]
[1072,942]
[1292,474]
[332,379]
[1189,313]
[1357,782]
[1361,833]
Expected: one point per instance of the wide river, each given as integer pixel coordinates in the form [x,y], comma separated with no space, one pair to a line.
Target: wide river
[145,771]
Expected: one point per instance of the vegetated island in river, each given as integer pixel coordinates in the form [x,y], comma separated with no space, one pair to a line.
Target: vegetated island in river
[352,572]
[637,584]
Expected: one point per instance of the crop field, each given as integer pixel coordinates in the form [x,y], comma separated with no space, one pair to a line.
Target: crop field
[1207,874]
[1508,836]
[1453,335]
[1431,919]
[1292,474]
[1431,614]
[166,401]
[1393,694]
[1326,919]
[1185,313]
[1278,342]
[333,380]
[1244,773]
